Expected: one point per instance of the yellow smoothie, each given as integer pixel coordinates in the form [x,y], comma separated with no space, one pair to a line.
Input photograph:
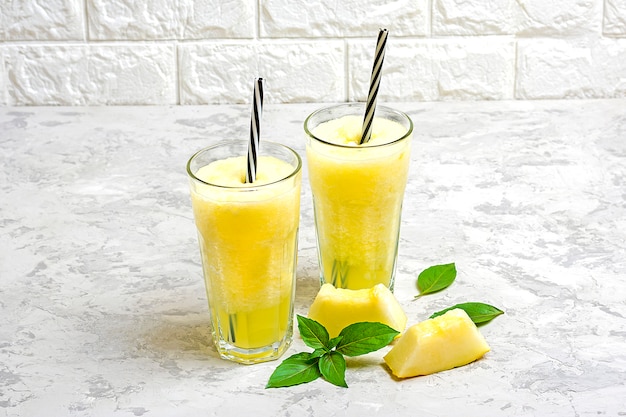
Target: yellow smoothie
[357,195]
[248,242]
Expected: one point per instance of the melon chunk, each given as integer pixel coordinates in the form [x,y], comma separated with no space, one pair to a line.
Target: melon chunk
[437,344]
[336,308]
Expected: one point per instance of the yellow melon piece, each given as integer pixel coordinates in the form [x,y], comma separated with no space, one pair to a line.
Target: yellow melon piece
[437,344]
[336,308]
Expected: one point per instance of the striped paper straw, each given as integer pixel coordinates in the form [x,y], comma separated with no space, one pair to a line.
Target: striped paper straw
[370,108]
[255,128]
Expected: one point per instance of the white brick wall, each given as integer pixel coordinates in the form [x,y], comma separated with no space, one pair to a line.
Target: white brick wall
[551,18]
[344,18]
[220,72]
[583,68]
[82,74]
[167,19]
[437,69]
[100,52]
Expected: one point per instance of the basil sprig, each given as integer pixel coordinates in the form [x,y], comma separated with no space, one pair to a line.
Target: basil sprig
[327,359]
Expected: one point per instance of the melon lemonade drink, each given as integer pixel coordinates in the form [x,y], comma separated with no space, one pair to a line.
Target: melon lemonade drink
[248,243]
[357,192]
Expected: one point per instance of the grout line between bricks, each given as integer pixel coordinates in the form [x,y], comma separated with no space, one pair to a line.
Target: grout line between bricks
[430,6]
[85,22]
[515,69]
[179,79]
[257,29]
[602,15]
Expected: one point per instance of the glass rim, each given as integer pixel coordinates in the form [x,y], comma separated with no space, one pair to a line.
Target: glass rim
[251,187]
[362,146]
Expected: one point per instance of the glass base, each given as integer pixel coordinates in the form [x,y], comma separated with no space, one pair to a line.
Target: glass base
[257,355]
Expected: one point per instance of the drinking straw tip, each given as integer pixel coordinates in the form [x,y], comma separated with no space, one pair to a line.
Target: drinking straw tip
[370,107]
[255,130]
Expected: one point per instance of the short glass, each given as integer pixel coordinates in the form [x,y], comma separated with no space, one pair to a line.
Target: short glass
[357,199]
[248,237]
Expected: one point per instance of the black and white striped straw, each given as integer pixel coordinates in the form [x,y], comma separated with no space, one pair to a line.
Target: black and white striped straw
[255,130]
[370,108]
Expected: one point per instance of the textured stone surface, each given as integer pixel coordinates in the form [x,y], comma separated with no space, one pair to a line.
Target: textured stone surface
[294,72]
[91,74]
[285,18]
[103,310]
[436,70]
[615,17]
[521,17]
[41,20]
[571,69]
[166,19]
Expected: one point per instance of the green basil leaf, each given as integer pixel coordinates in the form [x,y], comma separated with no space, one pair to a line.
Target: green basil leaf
[479,312]
[332,365]
[313,334]
[334,341]
[365,337]
[318,352]
[435,278]
[296,369]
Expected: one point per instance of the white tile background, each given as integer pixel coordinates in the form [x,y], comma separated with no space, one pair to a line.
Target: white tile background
[115,52]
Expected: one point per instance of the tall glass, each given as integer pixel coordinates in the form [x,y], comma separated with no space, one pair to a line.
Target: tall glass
[357,195]
[248,235]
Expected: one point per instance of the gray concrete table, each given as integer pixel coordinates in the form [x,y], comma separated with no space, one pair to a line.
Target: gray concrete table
[102,304]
